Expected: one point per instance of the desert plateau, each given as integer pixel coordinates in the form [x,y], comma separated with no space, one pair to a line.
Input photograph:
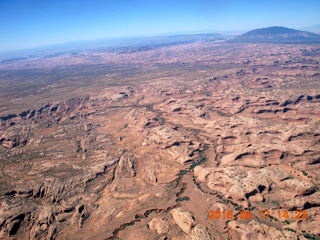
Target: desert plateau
[199,140]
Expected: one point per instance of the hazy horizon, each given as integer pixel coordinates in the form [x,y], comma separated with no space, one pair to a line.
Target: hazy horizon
[27,25]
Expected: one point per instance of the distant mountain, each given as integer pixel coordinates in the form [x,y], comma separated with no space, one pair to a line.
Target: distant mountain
[277,35]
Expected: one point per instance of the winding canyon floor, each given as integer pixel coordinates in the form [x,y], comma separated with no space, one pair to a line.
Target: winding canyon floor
[195,141]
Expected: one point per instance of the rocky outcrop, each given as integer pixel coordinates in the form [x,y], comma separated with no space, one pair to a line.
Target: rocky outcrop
[160,225]
[183,219]
[200,232]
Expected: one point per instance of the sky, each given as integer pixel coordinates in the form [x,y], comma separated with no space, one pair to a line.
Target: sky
[33,23]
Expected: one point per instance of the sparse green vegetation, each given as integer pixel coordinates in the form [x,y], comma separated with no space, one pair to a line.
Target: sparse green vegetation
[290,229]
[181,199]
[311,236]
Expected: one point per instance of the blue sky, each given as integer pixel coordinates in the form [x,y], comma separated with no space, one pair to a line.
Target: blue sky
[33,23]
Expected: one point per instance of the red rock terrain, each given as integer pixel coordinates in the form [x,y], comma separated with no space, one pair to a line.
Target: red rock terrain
[197,141]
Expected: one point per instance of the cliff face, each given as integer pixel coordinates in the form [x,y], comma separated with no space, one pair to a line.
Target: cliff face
[214,146]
